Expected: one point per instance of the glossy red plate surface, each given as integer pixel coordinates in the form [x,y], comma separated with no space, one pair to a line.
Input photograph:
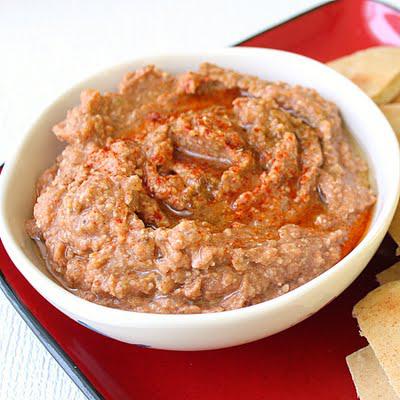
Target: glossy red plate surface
[306,361]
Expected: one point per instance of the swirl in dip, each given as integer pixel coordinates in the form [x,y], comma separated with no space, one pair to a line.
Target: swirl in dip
[202,192]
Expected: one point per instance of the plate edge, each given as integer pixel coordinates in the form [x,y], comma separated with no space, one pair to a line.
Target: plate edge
[50,344]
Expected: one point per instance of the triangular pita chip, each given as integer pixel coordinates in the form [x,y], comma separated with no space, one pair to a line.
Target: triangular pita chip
[375,70]
[378,315]
[394,228]
[389,275]
[368,376]
[392,113]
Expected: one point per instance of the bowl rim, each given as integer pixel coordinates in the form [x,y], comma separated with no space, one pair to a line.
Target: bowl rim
[112,316]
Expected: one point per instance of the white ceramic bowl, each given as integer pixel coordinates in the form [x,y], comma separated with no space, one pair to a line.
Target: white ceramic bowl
[204,331]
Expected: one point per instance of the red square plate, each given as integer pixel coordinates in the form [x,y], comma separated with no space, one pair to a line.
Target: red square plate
[306,361]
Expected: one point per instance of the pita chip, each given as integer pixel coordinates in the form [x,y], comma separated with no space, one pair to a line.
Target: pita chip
[368,376]
[375,70]
[389,275]
[378,316]
[392,113]
[396,99]
[394,228]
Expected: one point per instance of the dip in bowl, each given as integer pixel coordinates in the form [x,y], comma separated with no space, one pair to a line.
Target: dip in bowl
[215,195]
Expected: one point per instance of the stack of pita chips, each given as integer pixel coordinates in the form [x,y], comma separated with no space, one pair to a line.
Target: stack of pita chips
[375,369]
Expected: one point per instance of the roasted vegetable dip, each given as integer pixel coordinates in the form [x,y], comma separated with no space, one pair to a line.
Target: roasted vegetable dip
[202,192]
